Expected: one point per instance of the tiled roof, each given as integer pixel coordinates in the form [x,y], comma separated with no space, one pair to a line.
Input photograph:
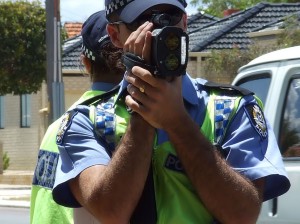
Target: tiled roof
[73,29]
[277,24]
[71,53]
[72,47]
[199,20]
[232,31]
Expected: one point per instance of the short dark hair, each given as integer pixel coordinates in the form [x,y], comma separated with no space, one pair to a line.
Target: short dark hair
[109,62]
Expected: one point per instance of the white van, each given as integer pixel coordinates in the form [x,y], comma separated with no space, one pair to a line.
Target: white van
[275,78]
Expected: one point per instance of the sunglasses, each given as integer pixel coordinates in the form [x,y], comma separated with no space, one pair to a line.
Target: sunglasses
[159,19]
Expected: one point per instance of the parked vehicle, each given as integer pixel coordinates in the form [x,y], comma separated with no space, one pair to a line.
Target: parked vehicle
[275,78]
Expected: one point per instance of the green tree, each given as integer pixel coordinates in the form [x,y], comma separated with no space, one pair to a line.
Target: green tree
[216,7]
[22,47]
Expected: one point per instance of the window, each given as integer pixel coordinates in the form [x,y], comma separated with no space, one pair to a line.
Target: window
[289,134]
[1,112]
[260,86]
[25,110]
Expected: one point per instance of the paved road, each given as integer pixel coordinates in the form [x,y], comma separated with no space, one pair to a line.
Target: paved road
[9,215]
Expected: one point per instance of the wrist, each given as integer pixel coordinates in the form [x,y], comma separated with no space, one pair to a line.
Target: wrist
[179,124]
[139,124]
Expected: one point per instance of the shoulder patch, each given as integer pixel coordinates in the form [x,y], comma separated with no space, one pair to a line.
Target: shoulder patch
[65,124]
[44,174]
[257,119]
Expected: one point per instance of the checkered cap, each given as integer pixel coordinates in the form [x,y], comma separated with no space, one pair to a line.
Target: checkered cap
[129,10]
[116,5]
[94,35]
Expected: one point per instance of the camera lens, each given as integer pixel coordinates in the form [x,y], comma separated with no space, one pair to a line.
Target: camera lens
[171,62]
[161,20]
[172,41]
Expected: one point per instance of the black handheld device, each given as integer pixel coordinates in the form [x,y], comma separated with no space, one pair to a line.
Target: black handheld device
[169,53]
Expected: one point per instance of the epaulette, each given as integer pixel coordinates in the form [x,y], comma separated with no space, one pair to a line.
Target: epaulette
[101,97]
[229,88]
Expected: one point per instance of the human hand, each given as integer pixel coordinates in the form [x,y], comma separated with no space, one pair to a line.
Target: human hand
[139,42]
[158,101]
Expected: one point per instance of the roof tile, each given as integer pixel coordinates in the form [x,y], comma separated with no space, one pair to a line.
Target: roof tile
[73,29]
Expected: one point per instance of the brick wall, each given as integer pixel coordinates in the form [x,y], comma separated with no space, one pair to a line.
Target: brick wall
[75,86]
[21,144]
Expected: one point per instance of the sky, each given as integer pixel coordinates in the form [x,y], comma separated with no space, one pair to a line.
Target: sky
[80,10]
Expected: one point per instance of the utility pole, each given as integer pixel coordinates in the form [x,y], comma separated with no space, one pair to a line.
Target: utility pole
[55,86]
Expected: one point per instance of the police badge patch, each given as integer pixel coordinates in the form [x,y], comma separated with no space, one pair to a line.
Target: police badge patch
[65,124]
[257,119]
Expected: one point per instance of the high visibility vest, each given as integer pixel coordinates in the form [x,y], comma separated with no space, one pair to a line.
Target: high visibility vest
[43,209]
[176,200]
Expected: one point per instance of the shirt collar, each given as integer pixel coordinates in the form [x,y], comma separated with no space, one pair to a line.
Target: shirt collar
[188,89]
[102,86]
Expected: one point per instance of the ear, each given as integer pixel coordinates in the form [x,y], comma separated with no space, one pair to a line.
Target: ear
[114,34]
[87,63]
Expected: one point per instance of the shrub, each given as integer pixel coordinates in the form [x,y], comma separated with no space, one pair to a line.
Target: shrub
[5,160]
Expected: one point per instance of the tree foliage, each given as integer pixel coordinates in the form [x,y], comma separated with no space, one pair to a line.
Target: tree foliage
[22,47]
[217,7]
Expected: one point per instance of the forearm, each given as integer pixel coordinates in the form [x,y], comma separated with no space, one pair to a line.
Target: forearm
[114,192]
[230,197]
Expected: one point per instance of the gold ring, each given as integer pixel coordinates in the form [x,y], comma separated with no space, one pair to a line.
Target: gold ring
[142,89]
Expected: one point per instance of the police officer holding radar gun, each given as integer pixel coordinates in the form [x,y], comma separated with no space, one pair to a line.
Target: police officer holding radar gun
[166,148]
[102,62]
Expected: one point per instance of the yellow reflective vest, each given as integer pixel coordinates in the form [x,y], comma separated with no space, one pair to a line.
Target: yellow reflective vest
[43,209]
[176,200]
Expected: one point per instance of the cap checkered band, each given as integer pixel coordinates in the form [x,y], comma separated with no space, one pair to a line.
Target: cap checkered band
[88,53]
[116,5]
[223,109]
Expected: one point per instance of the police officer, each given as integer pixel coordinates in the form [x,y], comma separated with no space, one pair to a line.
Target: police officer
[190,152]
[102,61]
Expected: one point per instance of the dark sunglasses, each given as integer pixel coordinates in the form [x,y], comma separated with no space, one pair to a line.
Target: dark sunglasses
[159,19]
